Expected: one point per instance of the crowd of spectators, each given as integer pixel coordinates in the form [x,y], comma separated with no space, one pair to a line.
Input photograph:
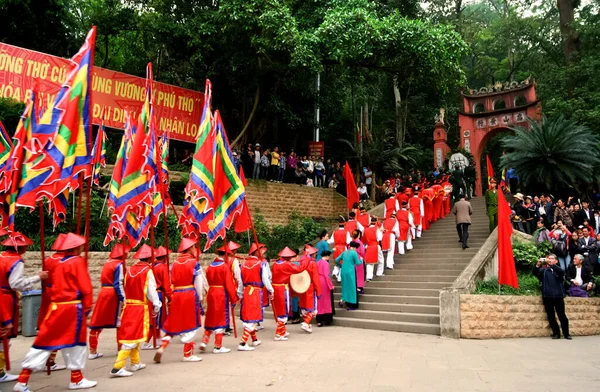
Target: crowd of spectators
[572,227]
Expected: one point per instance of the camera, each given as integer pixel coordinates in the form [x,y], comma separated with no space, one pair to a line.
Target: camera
[544,261]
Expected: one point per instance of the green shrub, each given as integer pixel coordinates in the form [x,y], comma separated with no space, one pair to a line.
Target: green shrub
[527,254]
[528,285]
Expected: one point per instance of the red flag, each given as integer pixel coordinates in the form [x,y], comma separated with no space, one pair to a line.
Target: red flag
[507,273]
[351,190]
[490,170]
[243,221]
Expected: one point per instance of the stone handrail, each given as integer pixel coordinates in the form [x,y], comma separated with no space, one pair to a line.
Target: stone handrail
[483,266]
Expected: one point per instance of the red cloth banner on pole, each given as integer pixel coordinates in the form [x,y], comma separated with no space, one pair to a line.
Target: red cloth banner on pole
[490,169]
[351,190]
[507,273]
[176,109]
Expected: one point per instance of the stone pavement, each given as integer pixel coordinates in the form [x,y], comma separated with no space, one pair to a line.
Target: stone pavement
[335,358]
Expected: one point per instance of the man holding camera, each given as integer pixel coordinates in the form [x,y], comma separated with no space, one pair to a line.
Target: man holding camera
[551,277]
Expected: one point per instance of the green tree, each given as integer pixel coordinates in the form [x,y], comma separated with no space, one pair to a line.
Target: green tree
[553,154]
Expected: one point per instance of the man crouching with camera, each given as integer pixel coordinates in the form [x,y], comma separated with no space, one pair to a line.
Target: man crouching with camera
[551,277]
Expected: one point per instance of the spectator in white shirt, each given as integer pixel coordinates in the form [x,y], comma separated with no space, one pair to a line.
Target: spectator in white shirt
[363,192]
[257,155]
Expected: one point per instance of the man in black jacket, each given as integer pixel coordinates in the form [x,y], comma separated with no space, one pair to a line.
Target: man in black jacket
[579,276]
[587,247]
[585,213]
[551,277]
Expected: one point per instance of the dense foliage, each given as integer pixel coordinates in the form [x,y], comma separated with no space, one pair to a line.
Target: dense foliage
[391,63]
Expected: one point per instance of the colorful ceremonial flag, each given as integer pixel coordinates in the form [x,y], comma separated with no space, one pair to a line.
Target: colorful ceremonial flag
[199,196]
[352,195]
[244,221]
[503,182]
[99,153]
[5,153]
[136,187]
[120,163]
[24,128]
[229,191]
[163,144]
[507,273]
[60,145]
[490,170]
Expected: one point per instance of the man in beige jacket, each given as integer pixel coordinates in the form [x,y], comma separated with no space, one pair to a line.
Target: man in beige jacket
[463,211]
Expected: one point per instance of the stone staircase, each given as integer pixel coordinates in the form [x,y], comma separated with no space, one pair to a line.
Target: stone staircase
[406,299]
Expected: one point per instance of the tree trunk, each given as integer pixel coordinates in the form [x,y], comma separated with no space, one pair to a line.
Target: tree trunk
[570,37]
[365,122]
[250,117]
[399,120]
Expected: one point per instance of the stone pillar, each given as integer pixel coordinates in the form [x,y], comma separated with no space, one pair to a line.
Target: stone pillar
[440,148]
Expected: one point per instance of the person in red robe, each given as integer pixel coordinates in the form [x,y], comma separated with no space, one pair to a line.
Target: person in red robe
[390,206]
[13,281]
[308,299]
[388,243]
[107,310]
[141,303]
[405,224]
[222,296]
[282,270]
[373,255]
[256,277]
[189,288]
[340,240]
[437,201]
[163,288]
[234,263]
[260,251]
[415,205]
[65,325]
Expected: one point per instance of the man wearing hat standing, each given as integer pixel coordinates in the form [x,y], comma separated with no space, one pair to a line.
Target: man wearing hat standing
[65,325]
[491,204]
[372,238]
[308,299]
[189,288]
[282,270]
[111,298]
[163,288]
[415,205]
[13,280]
[256,277]
[222,296]
[141,303]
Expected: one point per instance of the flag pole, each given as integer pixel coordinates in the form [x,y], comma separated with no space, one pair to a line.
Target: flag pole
[43,251]
[79,202]
[88,208]
[153,318]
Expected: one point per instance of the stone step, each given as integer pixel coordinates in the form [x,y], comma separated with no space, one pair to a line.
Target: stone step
[429,269]
[401,292]
[429,329]
[389,316]
[431,264]
[404,308]
[415,276]
[381,283]
[394,299]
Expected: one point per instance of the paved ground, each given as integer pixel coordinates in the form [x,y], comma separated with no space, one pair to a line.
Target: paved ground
[335,358]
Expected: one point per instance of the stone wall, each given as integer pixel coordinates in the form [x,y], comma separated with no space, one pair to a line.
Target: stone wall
[276,201]
[504,316]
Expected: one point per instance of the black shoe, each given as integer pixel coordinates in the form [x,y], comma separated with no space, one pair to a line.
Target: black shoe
[459,240]
[555,336]
[568,337]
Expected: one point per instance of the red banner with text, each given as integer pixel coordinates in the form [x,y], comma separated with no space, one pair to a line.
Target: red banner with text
[176,109]
[316,149]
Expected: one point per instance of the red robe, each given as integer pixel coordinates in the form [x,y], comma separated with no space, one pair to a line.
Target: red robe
[221,295]
[9,298]
[251,308]
[71,299]
[414,204]
[390,206]
[45,303]
[135,319]
[110,298]
[364,220]
[403,225]
[350,226]
[388,226]
[163,287]
[282,271]
[308,299]
[186,308]
[340,236]
[370,240]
